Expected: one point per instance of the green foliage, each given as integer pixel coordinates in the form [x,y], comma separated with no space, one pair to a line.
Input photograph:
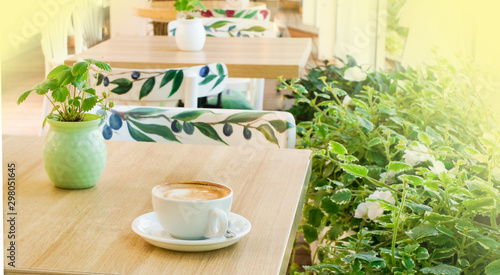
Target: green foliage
[186,6]
[68,90]
[406,172]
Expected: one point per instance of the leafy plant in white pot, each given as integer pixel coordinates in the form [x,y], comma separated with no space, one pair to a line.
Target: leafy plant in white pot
[74,152]
[190,34]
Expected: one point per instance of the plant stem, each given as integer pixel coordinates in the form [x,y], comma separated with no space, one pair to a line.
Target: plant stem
[396,224]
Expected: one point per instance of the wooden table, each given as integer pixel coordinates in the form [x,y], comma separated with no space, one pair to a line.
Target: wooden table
[165,12]
[89,231]
[244,57]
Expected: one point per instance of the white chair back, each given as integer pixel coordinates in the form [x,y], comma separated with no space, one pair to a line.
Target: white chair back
[200,126]
[163,87]
[88,20]
[232,27]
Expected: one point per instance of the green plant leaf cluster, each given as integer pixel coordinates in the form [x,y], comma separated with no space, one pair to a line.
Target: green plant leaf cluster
[425,136]
[68,90]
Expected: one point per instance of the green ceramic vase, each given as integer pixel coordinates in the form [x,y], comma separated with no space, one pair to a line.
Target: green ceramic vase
[74,153]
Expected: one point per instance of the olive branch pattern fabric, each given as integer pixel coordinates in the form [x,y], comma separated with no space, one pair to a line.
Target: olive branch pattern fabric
[256,14]
[200,126]
[136,87]
[232,27]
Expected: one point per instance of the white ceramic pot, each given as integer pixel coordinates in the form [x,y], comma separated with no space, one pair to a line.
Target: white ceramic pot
[190,35]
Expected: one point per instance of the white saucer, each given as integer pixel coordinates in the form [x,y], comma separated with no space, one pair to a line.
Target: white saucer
[148,227]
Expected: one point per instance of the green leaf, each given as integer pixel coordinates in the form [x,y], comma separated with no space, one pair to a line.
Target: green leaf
[493,268]
[243,117]
[169,75]
[89,103]
[220,69]
[334,232]
[445,231]
[100,78]
[147,87]
[124,86]
[315,216]
[418,208]
[60,94]
[397,167]
[268,133]
[365,123]
[57,71]
[156,129]
[254,29]
[238,15]
[281,125]
[368,256]
[220,11]
[90,91]
[137,135]
[437,218]
[421,254]
[65,77]
[374,142]
[342,196]
[207,79]
[190,115]
[219,24]
[336,148]
[408,263]
[250,15]
[24,96]
[355,170]
[411,247]
[424,138]
[46,85]
[208,131]
[415,180]
[441,269]
[480,204]
[179,76]
[101,65]
[422,231]
[218,81]
[329,206]
[310,233]
[145,111]
[79,68]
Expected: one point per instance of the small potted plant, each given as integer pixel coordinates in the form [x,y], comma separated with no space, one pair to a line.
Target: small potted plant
[74,152]
[190,34]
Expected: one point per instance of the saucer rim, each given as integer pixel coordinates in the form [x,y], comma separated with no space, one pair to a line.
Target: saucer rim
[208,241]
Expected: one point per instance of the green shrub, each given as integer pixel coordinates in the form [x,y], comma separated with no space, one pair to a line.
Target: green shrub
[405,174]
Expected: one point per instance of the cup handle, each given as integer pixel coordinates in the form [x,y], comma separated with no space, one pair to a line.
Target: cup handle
[218,223]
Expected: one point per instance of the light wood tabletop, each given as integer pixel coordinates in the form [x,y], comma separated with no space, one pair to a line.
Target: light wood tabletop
[164,11]
[244,57]
[89,231]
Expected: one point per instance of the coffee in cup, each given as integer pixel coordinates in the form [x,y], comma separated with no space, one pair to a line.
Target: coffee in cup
[192,210]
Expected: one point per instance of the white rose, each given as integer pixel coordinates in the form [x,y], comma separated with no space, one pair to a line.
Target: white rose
[354,74]
[346,100]
[417,154]
[372,210]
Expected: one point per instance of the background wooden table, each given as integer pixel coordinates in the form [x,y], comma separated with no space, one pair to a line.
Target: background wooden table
[165,11]
[244,57]
[90,230]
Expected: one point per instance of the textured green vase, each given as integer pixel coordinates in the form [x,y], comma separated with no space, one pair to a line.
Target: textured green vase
[74,153]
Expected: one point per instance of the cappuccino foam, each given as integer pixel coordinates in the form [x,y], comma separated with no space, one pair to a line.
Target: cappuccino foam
[193,191]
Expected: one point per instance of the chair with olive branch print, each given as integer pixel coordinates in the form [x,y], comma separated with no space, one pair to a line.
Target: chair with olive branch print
[225,127]
[162,87]
[255,14]
[237,27]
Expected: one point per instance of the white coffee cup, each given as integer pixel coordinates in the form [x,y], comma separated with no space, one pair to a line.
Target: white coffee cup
[192,210]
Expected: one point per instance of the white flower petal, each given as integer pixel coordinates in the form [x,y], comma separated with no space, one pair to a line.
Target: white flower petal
[360,211]
[374,210]
[346,100]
